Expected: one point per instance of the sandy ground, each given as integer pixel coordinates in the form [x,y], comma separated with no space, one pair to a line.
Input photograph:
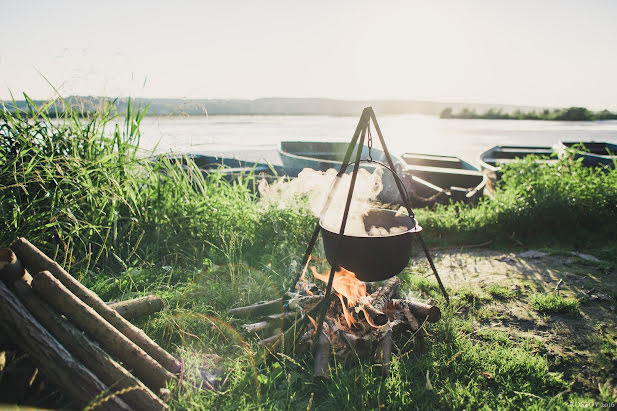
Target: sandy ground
[580,342]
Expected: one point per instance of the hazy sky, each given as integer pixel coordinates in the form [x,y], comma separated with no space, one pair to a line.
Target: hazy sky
[553,53]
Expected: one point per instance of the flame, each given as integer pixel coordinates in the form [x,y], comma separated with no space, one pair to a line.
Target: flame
[367,317]
[312,322]
[345,284]
[348,317]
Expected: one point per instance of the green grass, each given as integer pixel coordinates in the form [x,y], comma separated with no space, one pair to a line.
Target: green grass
[127,225]
[554,304]
[500,292]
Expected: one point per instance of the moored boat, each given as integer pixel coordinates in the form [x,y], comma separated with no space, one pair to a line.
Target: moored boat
[433,179]
[491,161]
[232,165]
[593,153]
[321,155]
[324,155]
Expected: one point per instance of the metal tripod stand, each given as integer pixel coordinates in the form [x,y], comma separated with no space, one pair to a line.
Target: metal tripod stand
[362,129]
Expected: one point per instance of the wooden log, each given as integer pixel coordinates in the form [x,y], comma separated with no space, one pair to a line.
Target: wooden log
[321,368]
[290,336]
[11,268]
[138,307]
[377,317]
[385,293]
[272,341]
[274,307]
[92,356]
[375,309]
[271,322]
[306,303]
[411,319]
[54,361]
[113,341]
[383,353]
[34,260]
[257,327]
[359,345]
[420,310]
[259,309]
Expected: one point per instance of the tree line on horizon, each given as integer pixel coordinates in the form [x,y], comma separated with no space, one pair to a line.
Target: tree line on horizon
[558,114]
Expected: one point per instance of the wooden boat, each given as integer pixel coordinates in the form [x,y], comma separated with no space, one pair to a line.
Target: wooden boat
[433,179]
[230,167]
[593,153]
[321,155]
[491,161]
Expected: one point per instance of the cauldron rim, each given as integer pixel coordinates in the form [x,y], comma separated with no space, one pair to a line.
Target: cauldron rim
[416,228]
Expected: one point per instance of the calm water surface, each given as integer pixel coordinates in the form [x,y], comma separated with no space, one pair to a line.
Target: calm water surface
[403,133]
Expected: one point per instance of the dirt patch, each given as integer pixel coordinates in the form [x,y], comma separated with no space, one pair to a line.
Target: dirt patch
[583,345]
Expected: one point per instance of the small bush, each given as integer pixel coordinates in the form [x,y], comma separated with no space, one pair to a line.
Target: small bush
[554,304]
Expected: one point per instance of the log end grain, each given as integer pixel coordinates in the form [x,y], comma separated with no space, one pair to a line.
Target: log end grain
[11,268]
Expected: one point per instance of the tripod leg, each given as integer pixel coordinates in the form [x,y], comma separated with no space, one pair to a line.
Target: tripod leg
[430,261]
[364,125]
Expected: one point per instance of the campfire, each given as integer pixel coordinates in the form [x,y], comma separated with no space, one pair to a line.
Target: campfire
[358,324]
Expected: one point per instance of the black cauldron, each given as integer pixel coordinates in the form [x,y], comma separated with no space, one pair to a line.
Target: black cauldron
[373,258]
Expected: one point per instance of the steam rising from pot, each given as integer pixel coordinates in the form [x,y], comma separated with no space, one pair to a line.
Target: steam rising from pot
[316,185]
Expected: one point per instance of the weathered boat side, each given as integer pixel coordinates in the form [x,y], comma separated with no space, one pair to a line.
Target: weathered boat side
[320,155]
[593,153]
[491,161]
[439,179]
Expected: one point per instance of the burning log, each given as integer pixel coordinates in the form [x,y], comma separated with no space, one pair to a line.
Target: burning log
[36,261]
[352,320]
[377,306]
[420,310]
[385,293]
[59,366]
[138,307]
[116,343]
[383,354]
[98,361]
[321,369]
[10,267]
[377,317]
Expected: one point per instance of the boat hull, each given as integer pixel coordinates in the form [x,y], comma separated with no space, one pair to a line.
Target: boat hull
[592,153]
[431,179]
[322,156]
[493,159]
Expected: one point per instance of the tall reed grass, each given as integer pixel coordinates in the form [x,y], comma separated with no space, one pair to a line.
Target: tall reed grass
[77,187]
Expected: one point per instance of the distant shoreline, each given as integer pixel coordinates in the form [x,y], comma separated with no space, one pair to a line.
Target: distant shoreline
[83,105]
[566,114]
[87,106]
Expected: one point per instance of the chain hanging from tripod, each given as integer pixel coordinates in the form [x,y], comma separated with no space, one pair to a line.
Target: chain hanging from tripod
[370,142]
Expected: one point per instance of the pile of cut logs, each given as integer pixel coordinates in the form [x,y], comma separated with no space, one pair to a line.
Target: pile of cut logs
[79,343]
[350,333]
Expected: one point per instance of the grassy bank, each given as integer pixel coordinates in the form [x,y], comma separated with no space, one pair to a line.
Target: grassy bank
[128,225]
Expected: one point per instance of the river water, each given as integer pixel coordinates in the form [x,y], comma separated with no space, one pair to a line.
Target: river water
[403,133]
